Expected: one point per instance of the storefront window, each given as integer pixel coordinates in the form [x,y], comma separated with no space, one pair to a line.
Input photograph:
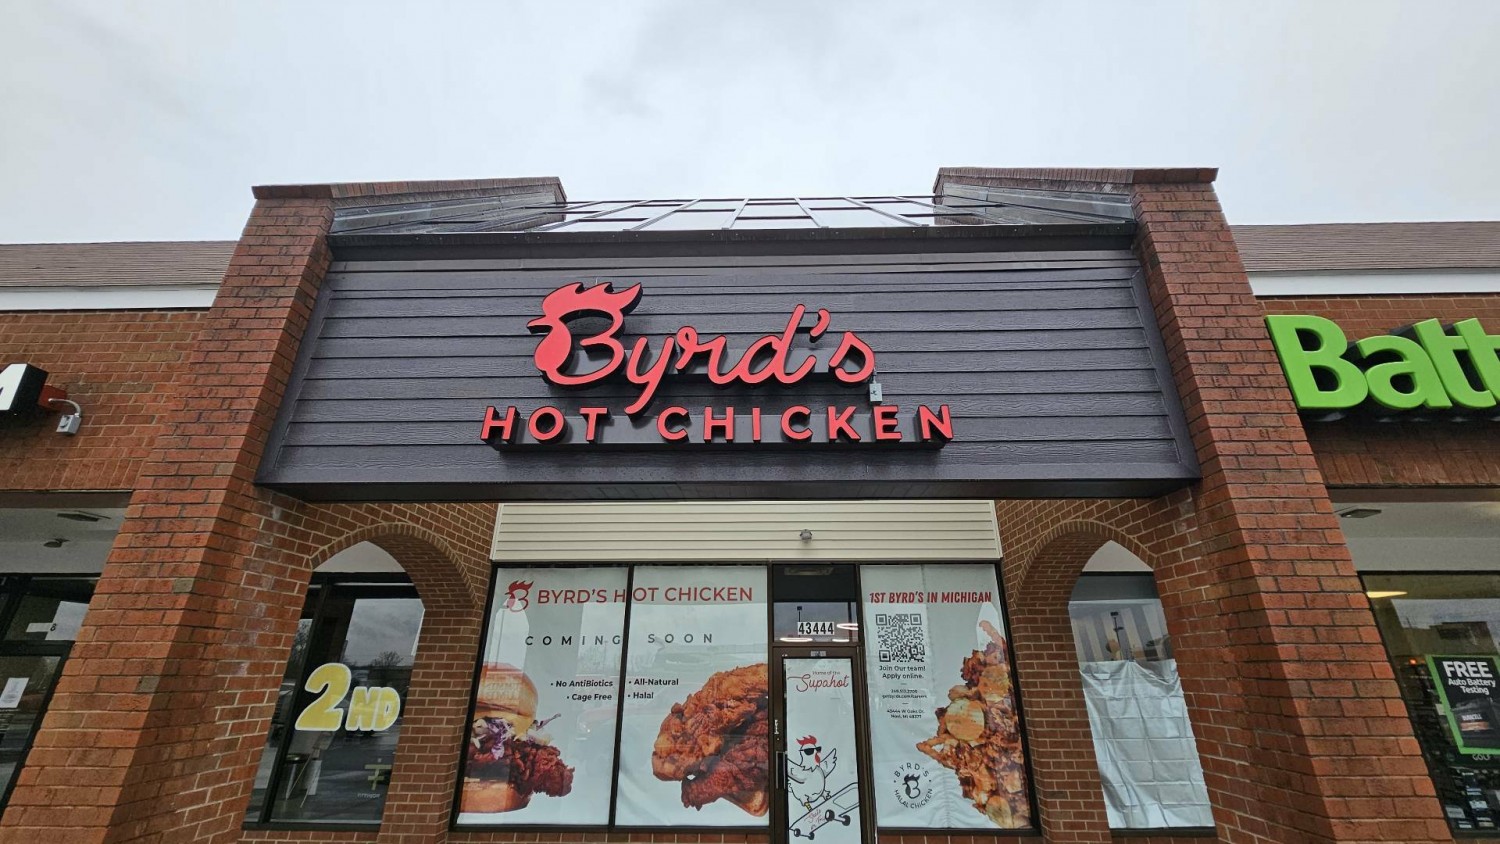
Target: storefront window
[1442,632]
[697,648]
[945,727]
[541,747]
[1148,759]
[628,697]
[41,616]
[338,716]
[286,695]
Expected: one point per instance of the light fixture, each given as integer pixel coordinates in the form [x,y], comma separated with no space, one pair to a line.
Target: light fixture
[54,543]
[68,423]
[839,639]
[795,639]
[847,625]
[805,535]
[1378,593]
[1359,513]
[80,516]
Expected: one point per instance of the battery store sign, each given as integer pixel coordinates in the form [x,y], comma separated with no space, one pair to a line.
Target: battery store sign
[806,349]
[1424,368]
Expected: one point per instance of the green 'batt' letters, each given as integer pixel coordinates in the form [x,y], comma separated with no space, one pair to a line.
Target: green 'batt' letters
[1429,369]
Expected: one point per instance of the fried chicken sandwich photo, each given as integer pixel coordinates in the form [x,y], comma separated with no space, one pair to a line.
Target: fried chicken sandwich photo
[716,742]
[508,761]
[979,737]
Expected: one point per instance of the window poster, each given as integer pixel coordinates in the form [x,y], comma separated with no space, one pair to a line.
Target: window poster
[694,741]
[944,731]
[541,743]
[1470,690]
[822,783]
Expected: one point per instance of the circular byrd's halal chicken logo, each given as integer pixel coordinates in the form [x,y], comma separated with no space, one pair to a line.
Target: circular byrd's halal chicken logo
[912,783]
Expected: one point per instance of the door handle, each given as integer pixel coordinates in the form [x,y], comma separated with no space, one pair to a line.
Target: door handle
[781,770]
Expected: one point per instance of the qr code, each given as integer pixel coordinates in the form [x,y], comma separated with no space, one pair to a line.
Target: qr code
[900,637]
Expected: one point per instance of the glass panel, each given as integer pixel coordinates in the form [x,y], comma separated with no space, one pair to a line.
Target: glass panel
[1119,617]
[765,223]
[802,623]
[541,746]
[1443,636]
[602,225]
[51,610]
[859,217]
[339,755]
[821,752]
[690,220]
[955,761]
[815,603]
[694,742]
[901,206]
[27,682]
[285,697]
[1143,741]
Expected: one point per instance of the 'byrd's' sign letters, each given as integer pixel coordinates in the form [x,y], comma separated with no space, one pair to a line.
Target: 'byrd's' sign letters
[582,360]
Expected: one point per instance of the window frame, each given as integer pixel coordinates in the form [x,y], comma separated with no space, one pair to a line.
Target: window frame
[996,565]
[377,584]
[1458,834]
[1144,831]
[13,590]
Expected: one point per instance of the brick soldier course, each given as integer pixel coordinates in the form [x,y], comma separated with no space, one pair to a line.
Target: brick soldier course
[160,717]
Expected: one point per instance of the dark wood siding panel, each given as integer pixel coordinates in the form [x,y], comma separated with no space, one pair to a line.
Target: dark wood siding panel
[1053,374]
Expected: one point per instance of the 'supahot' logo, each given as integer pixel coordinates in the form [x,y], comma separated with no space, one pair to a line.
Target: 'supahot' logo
[518,595]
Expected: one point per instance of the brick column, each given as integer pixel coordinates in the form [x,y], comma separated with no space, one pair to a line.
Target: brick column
[1300,724]
[192,608]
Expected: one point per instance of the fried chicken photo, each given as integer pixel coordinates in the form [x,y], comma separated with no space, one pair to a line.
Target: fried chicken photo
[716,743]
[979,738]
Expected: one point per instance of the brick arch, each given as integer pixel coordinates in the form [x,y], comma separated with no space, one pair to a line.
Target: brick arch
[435,568]
[1039,579]
[425,770]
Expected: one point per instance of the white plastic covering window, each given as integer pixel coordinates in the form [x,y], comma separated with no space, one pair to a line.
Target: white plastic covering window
[1147,757]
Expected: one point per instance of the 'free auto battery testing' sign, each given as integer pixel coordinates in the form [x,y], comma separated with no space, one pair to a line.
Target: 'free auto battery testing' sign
[1470,690]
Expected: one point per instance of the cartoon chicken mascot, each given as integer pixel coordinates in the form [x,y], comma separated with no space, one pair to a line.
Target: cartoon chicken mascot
[807,772]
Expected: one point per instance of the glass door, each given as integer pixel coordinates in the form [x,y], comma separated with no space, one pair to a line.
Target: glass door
[821,778]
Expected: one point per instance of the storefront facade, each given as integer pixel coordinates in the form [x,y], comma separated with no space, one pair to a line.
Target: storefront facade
[831,577]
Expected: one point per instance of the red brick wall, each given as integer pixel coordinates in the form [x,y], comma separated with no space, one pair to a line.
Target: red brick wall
[158,721]
[1303,735]
[1433,453]
[120,366]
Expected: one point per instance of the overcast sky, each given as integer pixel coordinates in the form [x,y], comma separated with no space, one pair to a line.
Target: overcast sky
[151,120]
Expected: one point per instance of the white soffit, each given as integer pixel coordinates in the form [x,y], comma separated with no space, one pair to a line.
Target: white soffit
[1424,536]
[84,545]
[109,297]
[1375,283]
[694,531]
